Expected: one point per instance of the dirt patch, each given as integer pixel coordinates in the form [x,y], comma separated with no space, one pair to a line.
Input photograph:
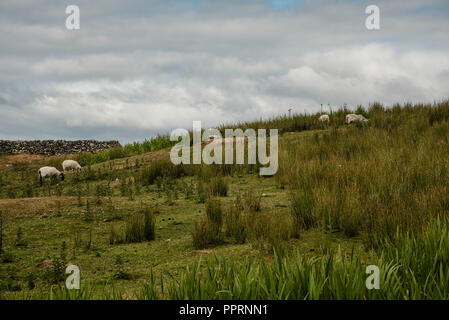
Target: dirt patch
[25,158]
[30,206]
[204,251]
[20,159]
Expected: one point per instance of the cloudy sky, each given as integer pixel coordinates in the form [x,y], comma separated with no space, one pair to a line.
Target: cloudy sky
[136,68]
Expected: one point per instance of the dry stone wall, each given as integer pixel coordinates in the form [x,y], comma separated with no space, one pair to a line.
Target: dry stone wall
[55,147]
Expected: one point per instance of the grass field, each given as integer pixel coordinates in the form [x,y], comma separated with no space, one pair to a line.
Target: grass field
[344,197]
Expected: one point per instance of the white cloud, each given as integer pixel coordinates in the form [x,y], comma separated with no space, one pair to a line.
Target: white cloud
[132,72]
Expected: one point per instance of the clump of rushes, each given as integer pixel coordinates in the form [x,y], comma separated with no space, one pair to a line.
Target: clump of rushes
[302,211]
[219,187]
[149,224]
[140,226]
[207,230]
[235,224]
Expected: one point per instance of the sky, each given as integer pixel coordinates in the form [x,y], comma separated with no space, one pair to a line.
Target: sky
[138,68]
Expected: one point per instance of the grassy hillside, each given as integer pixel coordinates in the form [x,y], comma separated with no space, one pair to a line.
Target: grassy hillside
[344,197]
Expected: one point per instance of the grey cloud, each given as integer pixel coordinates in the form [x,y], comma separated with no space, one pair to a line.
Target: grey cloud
[135,69]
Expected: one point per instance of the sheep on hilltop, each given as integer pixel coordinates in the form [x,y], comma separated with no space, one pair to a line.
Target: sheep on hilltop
[356,118]
[324,118]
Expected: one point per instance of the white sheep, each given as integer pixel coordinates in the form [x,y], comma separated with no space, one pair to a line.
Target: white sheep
[350,118]
[68,165]
[324,118]
[48,172]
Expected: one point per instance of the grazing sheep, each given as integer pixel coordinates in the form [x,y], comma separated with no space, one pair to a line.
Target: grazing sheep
[324,118]
[350,118]
[68,165]
[48,172]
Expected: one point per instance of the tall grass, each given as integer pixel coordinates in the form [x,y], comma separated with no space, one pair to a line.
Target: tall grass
[219,187]
[302,211]
[208,229]
[139,227]
[378,181]
[413,268]
[236,224]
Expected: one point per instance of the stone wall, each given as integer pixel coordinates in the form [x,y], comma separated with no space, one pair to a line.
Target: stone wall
[55,147]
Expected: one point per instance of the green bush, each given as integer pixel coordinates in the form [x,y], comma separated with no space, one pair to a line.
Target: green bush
[135,228]
[140,226]
[55,272]
[268,231]
[120,271]
[205,234]
[207,230]
[219,187]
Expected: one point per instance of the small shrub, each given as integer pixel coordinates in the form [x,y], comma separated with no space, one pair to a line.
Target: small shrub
[205,234]
[55,272]
[207,230]
[120,272]
[135,228]
[235,224]
[269,231]
[140,226]
[219,187]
